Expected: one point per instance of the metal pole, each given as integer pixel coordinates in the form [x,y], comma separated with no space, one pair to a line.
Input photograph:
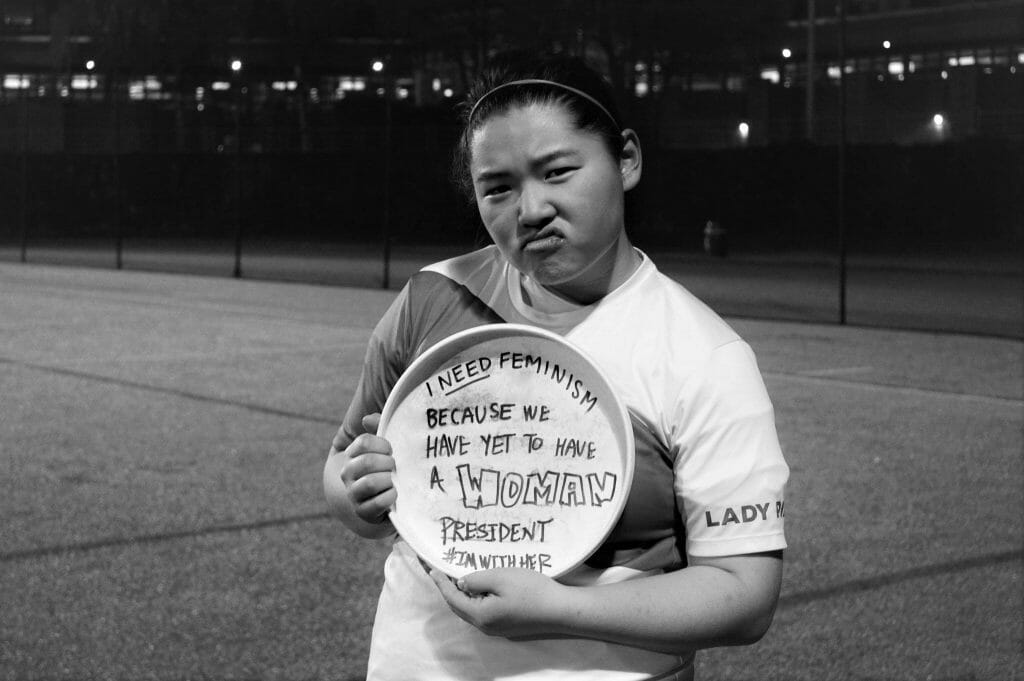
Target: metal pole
[841,207]
[24,178]
[238,183]
[809,117]
[386,228]
[118,193]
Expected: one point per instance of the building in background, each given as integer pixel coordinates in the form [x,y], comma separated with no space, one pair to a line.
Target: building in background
[297,76]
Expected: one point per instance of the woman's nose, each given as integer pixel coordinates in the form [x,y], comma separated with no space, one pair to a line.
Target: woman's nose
[535,207]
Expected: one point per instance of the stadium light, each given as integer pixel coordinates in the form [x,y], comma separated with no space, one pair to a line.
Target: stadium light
[90,65]
[886,44]
[786,53]
[236,65]
[378,66]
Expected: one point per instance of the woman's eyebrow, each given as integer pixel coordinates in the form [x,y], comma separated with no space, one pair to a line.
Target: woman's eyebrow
[553,155]
[487,175]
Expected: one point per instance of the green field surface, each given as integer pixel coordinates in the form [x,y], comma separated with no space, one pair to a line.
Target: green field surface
[161,446]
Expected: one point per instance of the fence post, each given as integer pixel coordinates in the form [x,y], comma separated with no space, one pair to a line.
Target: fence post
[386,229]
[841,170]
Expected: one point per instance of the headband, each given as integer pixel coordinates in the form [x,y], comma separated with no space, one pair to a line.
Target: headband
[537,81]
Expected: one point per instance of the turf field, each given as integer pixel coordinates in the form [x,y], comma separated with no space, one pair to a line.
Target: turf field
[161,445]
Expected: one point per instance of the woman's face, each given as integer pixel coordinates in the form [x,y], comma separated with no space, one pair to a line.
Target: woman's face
[551,197]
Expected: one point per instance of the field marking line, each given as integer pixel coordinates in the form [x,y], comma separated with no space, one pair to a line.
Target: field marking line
[835,371]
[906,390]
[163,301]
[175,392]
[880,581]
[134,540]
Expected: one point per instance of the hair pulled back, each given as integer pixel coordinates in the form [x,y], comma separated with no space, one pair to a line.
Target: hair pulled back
[513,66]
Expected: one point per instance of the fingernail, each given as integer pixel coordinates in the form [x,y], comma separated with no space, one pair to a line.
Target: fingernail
[461,584]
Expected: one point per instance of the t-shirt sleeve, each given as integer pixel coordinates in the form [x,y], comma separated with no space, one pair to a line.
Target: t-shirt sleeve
[730,474]
[387,355]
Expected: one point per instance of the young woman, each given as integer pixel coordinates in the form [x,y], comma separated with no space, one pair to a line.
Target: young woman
[696,558]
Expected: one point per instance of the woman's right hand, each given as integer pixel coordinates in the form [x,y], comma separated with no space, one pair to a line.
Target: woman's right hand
[357,478]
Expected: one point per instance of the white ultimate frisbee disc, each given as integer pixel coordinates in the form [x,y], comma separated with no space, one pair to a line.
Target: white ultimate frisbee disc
[511,450]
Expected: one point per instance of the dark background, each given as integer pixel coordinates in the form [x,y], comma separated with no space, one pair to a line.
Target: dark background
[124,128]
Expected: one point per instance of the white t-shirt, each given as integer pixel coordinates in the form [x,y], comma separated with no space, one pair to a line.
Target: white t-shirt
[709,477]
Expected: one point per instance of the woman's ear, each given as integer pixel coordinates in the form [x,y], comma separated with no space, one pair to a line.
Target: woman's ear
[630,159]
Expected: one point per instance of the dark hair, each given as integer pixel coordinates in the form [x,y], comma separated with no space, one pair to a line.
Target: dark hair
[513,66]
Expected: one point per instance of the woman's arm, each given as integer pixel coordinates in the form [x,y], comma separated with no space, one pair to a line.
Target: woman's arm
[357,480]
[713,602]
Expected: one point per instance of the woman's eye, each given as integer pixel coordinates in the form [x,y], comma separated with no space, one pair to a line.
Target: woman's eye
[559,172]
[496,190]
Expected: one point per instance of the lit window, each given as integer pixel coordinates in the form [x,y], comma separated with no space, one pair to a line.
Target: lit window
[448,92]
[15,82]
[952,61]
[220,85]
[771,75]
[967,60]
[895,68]
[833,71]
[640,88]
[403,93]
[1020,57]
[282,85]
[137,90]
[83,82]
[152,83]
[944,74]
[436,85]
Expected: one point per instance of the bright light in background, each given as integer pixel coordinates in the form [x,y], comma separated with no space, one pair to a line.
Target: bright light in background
[771,75]
[236,65]
[641,88]
[378,66]
[939,121]
[15,82]
[220,85]
[945,75]
[90,65]
[448,92]
[744,130]
[1020,57]
[886,44]
[83,82]
[787,53]
[436,84]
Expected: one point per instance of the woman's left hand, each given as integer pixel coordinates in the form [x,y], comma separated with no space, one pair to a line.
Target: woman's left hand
[509,602]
